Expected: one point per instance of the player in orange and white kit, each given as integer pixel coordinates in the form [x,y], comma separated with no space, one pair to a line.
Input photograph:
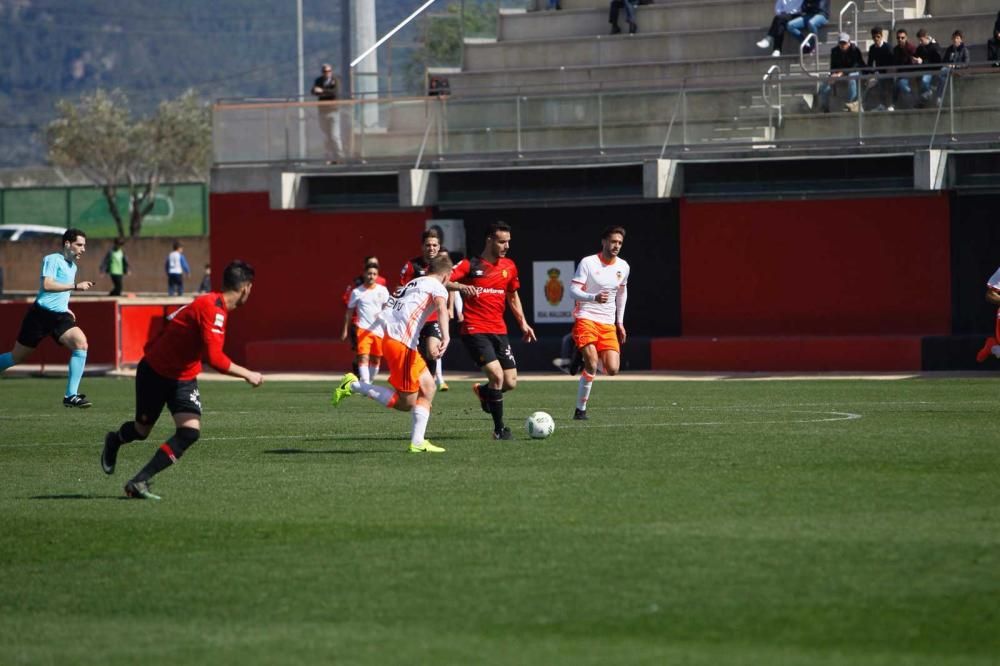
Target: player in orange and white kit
[367,301]
[599,287]
[412,385]
[992,345]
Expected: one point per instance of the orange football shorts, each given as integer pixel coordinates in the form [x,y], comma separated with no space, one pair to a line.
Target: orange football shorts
[602,336]
[405,365]
[369,343]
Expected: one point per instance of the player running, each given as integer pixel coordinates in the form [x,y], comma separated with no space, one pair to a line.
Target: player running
[599,287]
[367,301]
[50,315]
[430,336]
[488,283]
[403,317]
[168,375]
[992,345]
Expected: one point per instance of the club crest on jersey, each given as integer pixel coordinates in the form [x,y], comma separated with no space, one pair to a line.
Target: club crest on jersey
[504,273]
[478,273]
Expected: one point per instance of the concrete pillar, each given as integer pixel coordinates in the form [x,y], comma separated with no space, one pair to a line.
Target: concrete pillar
[363,36]
[930,170]
[417,188]
[662,179]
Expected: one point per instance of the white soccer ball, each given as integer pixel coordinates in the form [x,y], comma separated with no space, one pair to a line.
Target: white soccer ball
[540,425]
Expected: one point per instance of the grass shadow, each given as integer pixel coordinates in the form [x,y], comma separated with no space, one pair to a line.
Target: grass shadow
[74,496]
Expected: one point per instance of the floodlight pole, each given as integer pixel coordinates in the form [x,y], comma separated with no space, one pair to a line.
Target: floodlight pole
[302,80]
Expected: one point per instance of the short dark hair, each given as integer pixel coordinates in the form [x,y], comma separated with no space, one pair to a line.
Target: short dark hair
[237,274]
[957,33]
[178,245]
[499,225]
[613,230]
[901,31]
[922,33]
[371,259]
[439,264]
[71,234]
[433,232]
[877,30]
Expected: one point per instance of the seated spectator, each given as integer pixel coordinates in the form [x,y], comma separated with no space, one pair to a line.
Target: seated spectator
[927,53]
[903,55]
[993,45]
[784,11]
[844,57]
[814,15]
[616,6]
[879,62]
[957,55]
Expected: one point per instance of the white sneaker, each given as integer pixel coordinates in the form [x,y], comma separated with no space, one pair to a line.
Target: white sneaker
[891,108]
[995,350]
[765,43]
[775,53]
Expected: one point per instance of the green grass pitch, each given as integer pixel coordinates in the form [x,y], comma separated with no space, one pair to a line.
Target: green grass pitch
[704,523]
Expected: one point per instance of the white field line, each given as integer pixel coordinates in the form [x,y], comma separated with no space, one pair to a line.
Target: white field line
[823,417]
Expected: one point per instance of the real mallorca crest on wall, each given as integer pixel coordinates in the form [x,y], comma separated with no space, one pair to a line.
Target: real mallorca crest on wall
[553,303]
[554,288]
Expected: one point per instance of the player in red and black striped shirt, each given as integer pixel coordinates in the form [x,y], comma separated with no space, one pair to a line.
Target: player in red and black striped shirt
[168,375]
[488,284]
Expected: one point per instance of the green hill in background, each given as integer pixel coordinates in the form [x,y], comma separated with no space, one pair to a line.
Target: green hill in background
[53,49]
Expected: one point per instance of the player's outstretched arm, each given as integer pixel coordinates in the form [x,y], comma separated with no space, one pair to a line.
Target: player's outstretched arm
[252,378]
[514,300]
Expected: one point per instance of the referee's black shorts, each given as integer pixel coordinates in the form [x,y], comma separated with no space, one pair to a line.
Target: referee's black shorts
[39,322]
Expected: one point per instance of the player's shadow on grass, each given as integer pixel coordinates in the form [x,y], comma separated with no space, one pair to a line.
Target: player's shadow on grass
[335,452]
[75,496]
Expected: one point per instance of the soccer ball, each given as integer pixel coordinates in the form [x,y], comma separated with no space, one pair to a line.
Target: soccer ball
[540,425]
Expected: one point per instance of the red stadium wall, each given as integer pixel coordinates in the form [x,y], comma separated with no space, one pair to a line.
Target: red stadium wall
[96,318]
[878,266]
[304,261]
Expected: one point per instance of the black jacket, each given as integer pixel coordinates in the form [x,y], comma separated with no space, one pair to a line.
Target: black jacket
[812,7]
[849,59]
[956,56]
[930,53]
[880,57]
[993,51]
[329,88]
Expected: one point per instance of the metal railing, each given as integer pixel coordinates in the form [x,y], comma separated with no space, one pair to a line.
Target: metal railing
[771,107]
[687,118]
[892,12]
[841,22]
[810,38]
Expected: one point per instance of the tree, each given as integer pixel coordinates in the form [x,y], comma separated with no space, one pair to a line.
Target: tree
[443,35]
[98,136]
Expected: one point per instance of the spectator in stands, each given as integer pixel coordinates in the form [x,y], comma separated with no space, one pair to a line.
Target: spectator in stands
[325,89]
[993,45]
[815,14]
[957,55]
[846,62]
[784,11]
[927,53]
[630,7]
[879,62]
[554,4]
[903,55]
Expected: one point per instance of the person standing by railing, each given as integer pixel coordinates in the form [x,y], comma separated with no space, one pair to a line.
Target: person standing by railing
[326,88]
[993,45]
